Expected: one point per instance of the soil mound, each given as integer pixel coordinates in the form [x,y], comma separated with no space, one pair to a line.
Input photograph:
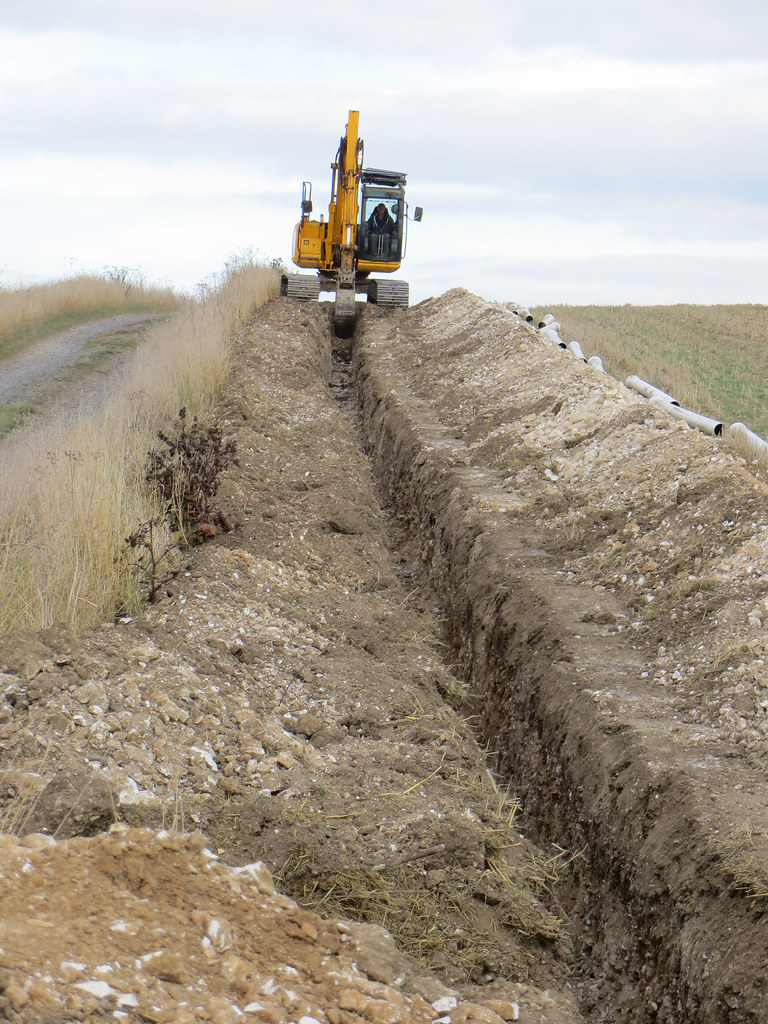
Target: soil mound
[286,697]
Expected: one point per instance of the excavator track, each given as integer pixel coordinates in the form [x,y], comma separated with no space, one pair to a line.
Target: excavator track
[302,287]
[391,294]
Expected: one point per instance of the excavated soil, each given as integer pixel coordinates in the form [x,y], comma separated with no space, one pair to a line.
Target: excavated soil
[532,570]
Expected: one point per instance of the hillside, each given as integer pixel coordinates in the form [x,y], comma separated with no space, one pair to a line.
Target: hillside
[713,359]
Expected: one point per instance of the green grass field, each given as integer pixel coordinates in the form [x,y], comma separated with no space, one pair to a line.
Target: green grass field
[712,359]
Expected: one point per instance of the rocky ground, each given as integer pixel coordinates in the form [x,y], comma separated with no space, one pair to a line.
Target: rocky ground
[286,697]
[529,559]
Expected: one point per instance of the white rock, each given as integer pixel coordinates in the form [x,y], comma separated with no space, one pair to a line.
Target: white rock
[101,989]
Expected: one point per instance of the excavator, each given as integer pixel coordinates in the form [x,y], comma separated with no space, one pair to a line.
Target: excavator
[365,233]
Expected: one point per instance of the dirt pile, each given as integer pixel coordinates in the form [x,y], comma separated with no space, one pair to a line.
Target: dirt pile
[139,925]
[285,697]
[594,573]
[607,572]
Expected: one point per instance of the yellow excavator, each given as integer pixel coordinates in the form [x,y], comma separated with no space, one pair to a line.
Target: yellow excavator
[365,233]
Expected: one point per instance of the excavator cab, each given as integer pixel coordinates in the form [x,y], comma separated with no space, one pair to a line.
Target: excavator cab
[381,233]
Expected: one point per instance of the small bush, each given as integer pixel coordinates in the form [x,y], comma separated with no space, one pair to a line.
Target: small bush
[184,473]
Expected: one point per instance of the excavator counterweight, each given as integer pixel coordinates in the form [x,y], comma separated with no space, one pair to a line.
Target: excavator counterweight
[365,233]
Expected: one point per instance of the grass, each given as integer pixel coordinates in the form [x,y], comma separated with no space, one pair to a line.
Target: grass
[100,349]
[74,488]
[742,857]
[712,359]
[441,925]
[29,314]
[12,415]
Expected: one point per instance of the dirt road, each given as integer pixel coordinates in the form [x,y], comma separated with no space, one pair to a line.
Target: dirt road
[48,371]
[526,544]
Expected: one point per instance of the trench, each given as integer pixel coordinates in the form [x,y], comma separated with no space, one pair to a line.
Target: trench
[647,899]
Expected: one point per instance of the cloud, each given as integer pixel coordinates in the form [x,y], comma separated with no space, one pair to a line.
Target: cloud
[597,133]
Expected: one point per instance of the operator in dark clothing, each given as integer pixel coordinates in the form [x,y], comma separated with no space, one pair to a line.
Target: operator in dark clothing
[380,222]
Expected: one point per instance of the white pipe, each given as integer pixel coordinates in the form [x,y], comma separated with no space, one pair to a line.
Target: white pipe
[749,444]
[595,361]
[553,325]
[551,335]
[648,390]
[546,320]
[554,336]
[693,419]
[575,349]
[524,314]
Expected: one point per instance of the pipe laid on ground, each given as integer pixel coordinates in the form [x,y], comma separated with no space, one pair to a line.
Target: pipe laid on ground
[524,314]
[555,337]
[575,349]
[749,444]
[595,361]
[546,320]
[648,390]
[693,419]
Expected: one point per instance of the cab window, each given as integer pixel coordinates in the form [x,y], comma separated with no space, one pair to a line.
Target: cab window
[381,228]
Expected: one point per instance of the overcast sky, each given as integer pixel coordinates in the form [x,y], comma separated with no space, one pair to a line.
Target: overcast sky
[563,151]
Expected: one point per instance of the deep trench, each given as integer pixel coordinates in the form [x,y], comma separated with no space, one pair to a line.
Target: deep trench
[638,958]
[589,974]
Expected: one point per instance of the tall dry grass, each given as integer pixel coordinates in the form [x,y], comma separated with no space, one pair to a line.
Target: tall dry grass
[27,314]
[712,359]
[73,489]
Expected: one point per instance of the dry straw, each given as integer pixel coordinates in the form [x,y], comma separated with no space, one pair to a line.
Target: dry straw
[30,313]
[73,489]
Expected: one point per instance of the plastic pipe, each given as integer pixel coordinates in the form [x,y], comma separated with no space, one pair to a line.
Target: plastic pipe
[693,419]
[546,320]
[575,349]
[648,390]
[552,335]
[595,361]
[749,444]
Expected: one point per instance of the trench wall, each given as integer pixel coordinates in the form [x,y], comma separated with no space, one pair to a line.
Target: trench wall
[651,895]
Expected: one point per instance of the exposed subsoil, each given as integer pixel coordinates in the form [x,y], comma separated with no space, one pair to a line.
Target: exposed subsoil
[562,575]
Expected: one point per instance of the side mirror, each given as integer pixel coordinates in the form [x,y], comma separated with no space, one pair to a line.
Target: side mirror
[306,198]
[418,213]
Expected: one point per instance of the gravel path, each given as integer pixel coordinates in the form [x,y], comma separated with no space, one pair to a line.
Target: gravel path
[49,356]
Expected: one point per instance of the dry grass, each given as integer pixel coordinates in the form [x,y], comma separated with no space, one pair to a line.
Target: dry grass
[712,359]
[27,314]
[444,924]
[74,488]
[743,858]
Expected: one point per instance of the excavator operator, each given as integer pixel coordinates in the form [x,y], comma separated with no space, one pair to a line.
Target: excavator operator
[380,222]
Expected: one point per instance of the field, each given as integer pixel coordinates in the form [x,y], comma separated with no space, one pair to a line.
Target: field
[712,359]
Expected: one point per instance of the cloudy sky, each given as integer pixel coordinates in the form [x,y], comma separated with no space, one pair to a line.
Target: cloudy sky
[563,152]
